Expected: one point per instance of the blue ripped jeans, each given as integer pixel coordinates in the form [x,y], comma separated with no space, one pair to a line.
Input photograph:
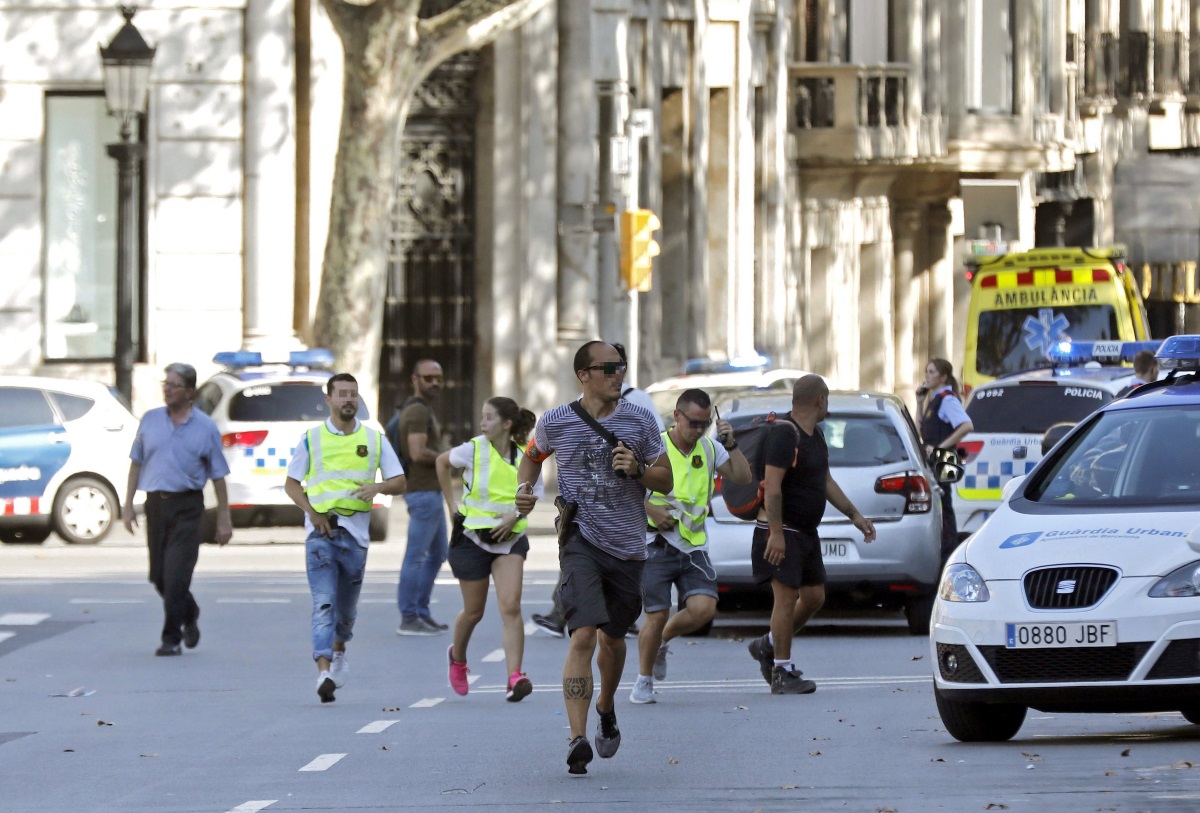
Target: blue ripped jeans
[335,575]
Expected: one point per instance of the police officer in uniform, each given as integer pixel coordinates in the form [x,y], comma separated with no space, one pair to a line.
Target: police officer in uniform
[676,540]
[337,462]
[944,423]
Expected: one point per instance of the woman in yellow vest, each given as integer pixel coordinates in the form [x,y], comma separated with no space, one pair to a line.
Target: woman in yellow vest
[489,536]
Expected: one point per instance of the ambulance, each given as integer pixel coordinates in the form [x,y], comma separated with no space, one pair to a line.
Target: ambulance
[1024,304]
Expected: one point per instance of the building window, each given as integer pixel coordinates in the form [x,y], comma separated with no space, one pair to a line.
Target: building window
[80,251]
[989,48]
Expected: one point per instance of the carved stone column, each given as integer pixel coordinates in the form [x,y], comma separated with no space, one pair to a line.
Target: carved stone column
[906,221]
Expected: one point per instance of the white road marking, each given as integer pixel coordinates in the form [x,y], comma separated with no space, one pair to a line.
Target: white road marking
[377,727]
[471,679]
[427,703]
[22,619]
[495,656]
[530,628]
[253,807]
[254,601]
[4,636]
[116,601]
[323,762]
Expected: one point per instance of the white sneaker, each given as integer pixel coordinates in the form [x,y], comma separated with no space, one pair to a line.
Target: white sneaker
[325,687]
[643,691]
[339,669]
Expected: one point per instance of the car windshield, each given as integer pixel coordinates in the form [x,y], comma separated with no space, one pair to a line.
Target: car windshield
[664,400]
[853,440]
[299,401]
[1032,408]
[1141,456]
[1017,339]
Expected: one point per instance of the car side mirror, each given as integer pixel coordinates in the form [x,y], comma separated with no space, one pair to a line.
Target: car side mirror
[947,467]
[1053,435]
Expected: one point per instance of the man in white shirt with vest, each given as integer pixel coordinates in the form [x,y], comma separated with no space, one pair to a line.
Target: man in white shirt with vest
[676,539]
[336,462]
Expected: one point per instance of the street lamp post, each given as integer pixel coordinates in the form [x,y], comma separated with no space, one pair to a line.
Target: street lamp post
[126,64]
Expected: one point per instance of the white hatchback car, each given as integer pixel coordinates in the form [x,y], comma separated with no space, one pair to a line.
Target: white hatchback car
[1082,591]
[64,458]
[875,457]
[262,410]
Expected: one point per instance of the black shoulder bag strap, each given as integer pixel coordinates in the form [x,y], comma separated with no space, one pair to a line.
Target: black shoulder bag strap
[596,426]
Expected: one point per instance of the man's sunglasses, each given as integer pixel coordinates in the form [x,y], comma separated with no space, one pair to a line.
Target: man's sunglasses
[610,367]
[429,379]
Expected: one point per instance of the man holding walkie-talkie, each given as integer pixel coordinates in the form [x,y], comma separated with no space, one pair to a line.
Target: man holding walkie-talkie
[609,453]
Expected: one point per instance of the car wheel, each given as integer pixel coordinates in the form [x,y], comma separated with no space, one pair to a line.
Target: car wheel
[1192,715]
[979,722]
[24,536]
[918,612]
[378,529]
[85,510]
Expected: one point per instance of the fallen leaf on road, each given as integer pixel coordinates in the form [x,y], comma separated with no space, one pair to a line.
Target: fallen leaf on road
[147,755]
[814,753]
[819,739]
[1125,753]
[673,761]
[918,657]
[383,748]
[741,708]
[1032,757]
[1183,763]
[885,810]
[392,708]
[995,806]
[937,759]
[101,722]
[790,787]
[1110,773]
[68,750]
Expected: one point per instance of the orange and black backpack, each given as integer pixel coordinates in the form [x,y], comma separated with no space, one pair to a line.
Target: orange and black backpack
[744,500]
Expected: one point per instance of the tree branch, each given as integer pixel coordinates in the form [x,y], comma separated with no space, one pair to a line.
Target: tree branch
[471,24]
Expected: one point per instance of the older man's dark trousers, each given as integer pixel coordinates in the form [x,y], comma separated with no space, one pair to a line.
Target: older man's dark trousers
[173,537]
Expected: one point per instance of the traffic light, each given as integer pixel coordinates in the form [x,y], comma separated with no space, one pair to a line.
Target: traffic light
[638,248]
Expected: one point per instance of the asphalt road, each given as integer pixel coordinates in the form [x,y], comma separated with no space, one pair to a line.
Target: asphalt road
[90,720]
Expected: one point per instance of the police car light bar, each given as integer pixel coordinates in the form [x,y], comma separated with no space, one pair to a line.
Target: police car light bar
[731,365]
[1112,352]
[1180,353]
[317,357]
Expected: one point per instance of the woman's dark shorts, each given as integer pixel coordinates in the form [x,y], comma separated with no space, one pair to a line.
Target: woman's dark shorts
[597,589]
[802,565]
[469,562]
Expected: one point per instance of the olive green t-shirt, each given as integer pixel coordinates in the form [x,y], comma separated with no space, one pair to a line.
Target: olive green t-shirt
[417,418]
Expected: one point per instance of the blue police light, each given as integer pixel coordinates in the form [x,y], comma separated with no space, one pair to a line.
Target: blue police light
[1180,353]
[731,365]
[316,357]
[234,359]
[1070,353]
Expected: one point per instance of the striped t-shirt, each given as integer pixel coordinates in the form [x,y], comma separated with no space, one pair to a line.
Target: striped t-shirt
[611,513]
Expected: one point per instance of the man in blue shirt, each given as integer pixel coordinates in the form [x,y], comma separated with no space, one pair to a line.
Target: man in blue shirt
[177,450]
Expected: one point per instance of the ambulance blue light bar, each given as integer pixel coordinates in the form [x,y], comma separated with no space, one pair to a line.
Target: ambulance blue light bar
[1180,353]
[317,357]
[730,365]
[1111,352]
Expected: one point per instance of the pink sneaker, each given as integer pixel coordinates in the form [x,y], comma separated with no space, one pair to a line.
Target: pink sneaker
[518,687]
[458,672]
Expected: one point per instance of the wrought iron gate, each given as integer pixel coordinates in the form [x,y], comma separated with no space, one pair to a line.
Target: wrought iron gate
[430,306]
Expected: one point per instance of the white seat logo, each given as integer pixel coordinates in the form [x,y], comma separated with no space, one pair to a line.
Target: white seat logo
[1066,586]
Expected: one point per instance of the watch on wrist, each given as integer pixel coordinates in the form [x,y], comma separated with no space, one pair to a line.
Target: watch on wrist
[733,444]
[641,471]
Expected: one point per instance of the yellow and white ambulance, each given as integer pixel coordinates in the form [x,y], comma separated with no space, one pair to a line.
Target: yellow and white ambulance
[1023,304]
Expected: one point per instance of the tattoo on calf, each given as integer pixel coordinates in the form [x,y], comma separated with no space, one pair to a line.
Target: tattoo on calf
[577,688]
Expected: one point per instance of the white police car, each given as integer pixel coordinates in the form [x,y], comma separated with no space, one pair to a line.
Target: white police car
[1012,414]
[64,458]
[1082,591]
[722,380]
[262,409]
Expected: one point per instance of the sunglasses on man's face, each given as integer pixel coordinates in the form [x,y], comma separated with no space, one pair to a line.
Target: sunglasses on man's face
[699,426]
[430,379]
[610,367]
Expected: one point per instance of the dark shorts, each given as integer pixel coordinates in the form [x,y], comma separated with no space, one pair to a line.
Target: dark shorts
[469,562]
[597,589]
[690,573]
[802,565]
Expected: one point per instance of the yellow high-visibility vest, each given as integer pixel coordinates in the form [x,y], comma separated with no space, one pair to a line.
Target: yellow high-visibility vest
[492,490]
[693,489]
[340,464]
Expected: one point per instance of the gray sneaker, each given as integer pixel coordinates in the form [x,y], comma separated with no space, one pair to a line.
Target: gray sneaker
[790,681]
[416,626]
[761,650]
[608,736]
[643,691]
[660,663]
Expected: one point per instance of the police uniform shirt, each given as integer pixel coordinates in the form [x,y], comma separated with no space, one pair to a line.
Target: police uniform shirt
[951,410]
[357,524]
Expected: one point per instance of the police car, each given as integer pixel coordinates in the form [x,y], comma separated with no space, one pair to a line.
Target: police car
[1082,591]
[722,380]
[262,409]
[1012,414]
[64,458]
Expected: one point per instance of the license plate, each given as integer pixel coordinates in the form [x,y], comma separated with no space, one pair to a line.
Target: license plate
[838,549]
[1061,636]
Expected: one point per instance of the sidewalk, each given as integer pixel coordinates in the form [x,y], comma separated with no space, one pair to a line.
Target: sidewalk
[261,550]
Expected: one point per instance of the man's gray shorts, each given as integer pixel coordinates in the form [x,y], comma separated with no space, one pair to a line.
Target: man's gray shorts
[691,573]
